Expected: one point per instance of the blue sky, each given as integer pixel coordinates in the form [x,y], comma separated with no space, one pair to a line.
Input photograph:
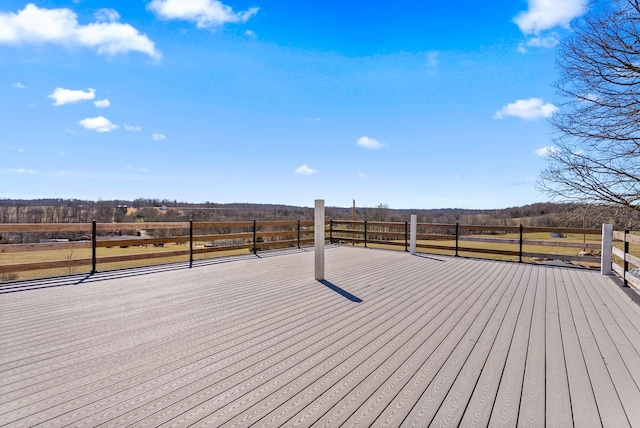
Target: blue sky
[414,104]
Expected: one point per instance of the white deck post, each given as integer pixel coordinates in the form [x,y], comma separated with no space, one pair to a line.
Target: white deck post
[319,237]
[414,231]
[605,251]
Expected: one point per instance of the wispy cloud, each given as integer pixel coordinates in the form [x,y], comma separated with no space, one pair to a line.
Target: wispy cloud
[60,27]
[530,109]
[18,85]
[205,13]
[132,128]
[546,42]
[305,170]
[433,59]
[369,143]
[98,124]
[313,119]
[63,96]
[158,137]
[21,171]
[546,151]
[102,103]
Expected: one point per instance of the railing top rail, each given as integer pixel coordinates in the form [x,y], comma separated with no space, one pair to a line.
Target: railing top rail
[437,225]
[213,224]
[490,228]
[142,226]
[44,227]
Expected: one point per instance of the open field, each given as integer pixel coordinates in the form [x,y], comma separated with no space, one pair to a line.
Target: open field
[85,253]
[541,236]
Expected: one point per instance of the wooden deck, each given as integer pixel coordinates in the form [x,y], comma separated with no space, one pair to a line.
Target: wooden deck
[388,340]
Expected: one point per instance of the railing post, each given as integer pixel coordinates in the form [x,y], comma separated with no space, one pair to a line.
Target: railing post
[606,249]
[93,247]
[255,250]
[521,242]
[457,237]
[406,236]
[330,231]
[298,234]
[414,234]
[319,236]
[190,242]
[626,263]
[365,234]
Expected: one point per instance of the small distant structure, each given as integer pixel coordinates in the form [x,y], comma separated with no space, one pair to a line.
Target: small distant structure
[557,235]
[164,208]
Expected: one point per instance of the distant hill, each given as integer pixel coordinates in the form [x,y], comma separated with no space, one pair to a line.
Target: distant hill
[544,214]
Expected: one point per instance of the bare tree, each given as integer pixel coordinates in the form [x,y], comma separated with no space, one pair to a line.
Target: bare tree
[596,157]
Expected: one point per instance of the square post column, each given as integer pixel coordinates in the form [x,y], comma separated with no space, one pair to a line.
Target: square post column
[606,250]
[414,232]
[319,238]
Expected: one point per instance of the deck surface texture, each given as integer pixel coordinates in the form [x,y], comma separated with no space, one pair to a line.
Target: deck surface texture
[388,339]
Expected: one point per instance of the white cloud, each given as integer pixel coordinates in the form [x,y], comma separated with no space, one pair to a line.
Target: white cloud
[433,59]
[369,143]
[546,14]
[102,103]
[68,96]
[18,85]
[60,27]
[546,151]
[158,137]
[305,170]
[313,119]
[547,42]
[531,109]
[98,124]
[21,171]
[132,128]
[107,15]
[205,13]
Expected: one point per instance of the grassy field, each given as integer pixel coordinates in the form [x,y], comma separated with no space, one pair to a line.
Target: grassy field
[573,238]
[85,253]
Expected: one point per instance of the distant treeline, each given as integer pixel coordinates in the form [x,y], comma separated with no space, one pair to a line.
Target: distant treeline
[544,214]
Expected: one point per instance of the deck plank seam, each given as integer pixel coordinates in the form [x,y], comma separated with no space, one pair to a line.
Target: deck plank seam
[443,290]
[479,311]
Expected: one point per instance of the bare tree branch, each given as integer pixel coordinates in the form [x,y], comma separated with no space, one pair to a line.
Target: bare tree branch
[596,157]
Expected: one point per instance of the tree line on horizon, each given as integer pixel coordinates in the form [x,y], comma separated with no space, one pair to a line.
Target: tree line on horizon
[543,214]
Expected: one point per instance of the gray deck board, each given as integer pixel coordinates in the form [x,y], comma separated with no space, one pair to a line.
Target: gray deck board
[583,402]
[389,340]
